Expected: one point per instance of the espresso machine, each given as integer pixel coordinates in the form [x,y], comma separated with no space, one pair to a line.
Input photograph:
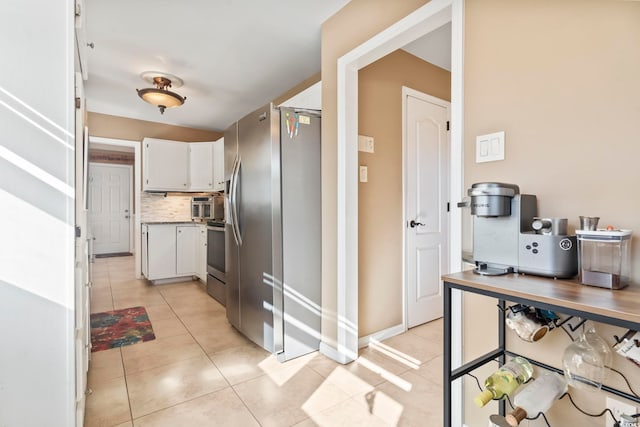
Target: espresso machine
[509,237]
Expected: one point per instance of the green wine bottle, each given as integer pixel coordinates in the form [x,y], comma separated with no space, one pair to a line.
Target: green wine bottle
[505,380]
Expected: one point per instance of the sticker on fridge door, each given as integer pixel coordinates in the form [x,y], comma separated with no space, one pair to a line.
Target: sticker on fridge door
[292,121]
[305,120]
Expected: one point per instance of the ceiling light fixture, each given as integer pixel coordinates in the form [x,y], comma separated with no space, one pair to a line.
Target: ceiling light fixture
[160,96]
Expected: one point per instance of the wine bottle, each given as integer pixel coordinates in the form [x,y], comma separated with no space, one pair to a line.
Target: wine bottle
[505,380]
[537,397]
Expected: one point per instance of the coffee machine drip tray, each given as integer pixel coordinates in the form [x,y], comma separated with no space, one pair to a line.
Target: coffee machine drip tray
[486,270]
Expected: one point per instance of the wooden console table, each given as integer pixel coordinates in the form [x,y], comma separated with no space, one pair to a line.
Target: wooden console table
[614,307]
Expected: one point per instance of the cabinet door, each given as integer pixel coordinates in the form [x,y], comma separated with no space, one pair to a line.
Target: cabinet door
[201,166]
[165,166]
[187,238]
[218,165]
[161,251]
[202,254]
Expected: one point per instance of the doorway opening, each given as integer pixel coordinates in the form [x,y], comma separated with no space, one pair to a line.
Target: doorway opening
[110,206]
[426,19]
[110,144]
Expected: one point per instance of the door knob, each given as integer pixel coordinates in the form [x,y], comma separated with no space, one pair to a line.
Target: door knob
[414,224]
[126,216]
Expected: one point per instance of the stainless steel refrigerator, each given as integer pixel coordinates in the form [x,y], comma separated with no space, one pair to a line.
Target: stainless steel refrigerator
[272,235]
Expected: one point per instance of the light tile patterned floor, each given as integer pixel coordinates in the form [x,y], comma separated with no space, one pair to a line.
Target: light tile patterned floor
[199,371]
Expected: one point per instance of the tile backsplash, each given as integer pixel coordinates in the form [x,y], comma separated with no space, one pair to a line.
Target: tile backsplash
[155,207]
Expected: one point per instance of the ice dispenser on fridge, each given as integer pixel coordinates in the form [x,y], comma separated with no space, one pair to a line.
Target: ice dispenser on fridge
[604,257]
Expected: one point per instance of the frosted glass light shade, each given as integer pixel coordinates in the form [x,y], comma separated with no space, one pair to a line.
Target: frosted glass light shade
[161,97]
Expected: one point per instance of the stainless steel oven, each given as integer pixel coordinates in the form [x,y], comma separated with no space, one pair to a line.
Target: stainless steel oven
[216,261]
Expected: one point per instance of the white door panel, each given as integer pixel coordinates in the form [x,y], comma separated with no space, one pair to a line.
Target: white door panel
[426,187]
[428,265]
[110,211]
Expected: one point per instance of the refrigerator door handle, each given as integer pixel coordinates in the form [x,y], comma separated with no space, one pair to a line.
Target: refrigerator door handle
[232,201]
[235,176]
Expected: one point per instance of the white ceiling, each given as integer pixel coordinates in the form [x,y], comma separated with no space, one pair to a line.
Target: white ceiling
[233,55]
[434,47]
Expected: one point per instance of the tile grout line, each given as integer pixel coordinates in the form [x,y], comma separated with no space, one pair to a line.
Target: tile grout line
[214,363]
[167,296]
[126,384]
[229,385]
[124,372]
[246,406]
[125,375]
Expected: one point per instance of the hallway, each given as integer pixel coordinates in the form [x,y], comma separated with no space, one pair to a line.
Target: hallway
[199,371]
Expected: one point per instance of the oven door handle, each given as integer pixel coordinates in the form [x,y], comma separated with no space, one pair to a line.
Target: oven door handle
[235,176]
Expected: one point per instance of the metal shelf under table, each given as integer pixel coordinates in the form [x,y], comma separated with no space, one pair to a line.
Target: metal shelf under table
[615,307]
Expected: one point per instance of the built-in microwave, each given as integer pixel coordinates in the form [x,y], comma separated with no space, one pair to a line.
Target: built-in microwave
[201,208]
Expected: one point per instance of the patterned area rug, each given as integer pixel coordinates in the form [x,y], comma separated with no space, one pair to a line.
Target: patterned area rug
[118,328]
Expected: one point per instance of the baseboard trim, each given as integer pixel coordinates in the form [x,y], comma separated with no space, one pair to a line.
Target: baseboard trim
[381,335]
[172,280]
[334,354]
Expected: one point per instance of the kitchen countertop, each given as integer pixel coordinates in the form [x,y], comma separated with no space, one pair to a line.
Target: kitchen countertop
[174,222]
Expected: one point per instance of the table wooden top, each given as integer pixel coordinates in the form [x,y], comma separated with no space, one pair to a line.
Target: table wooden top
[621,304]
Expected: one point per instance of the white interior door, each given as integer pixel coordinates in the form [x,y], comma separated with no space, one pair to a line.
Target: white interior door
[109,207]
[426,209]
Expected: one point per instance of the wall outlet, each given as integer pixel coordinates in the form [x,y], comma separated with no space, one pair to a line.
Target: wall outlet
[364,174]
[618,408]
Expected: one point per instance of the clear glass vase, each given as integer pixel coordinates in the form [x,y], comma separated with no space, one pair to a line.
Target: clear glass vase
[585,360]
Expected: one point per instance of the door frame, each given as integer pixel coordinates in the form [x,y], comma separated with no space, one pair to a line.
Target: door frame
[137,178]
[131,191]
[407,91]
[415,25]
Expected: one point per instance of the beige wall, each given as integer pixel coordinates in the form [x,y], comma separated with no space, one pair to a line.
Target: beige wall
[305,84]
[561,78]
[380,224]
[116,127]
[342,32]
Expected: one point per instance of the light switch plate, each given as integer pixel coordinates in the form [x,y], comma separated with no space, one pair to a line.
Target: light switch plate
[365,143]
[364,174]
[490,147]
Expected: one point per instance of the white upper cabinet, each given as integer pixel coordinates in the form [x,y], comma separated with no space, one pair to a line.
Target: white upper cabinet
[182,166]
[218,165]
[165,165]
[201,166]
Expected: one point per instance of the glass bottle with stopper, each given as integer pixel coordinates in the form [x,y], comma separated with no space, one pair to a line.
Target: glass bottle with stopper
[537,397]
[505,380]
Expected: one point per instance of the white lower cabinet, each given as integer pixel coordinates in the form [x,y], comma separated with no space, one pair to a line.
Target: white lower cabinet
[161,251]
[173,250]
[186,245]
